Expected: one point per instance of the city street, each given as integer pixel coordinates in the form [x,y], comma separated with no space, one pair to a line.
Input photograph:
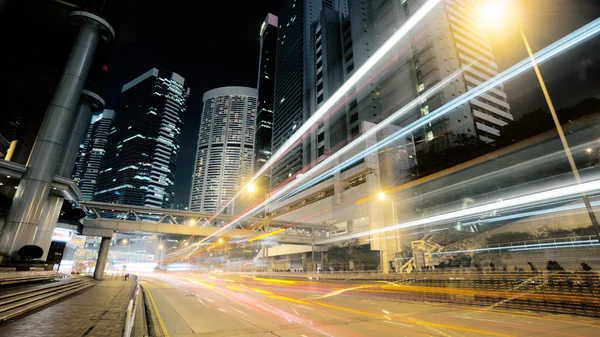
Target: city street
[241,305]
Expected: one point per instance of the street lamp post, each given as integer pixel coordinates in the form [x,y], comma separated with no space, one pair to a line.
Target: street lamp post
[251,188]
[493,11]
[382,196]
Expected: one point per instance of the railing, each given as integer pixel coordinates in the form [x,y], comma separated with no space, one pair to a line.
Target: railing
[131,307]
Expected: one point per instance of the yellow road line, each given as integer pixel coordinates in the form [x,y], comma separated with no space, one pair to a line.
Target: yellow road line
[269,280]
[160,321]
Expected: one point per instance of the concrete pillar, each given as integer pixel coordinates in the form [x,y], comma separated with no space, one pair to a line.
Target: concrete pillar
[88,102]
[45,230]
[383,254]
[26,211]
[102,259]
[324,261]
[304,262]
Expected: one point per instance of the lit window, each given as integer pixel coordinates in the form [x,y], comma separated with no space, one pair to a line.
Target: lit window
[429,135]
[425,110]
[421,87]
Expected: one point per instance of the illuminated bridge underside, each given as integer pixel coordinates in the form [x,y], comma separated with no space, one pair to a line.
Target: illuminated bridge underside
[103,217]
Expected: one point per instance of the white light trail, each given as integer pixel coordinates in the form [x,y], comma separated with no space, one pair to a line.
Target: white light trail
[545,54]
[574,190]
[401,33]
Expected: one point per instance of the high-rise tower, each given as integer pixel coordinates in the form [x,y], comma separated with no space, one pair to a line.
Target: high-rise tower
[295,77]
[91,153]
[266,80]
[225,147]
[143,144]
[447,40]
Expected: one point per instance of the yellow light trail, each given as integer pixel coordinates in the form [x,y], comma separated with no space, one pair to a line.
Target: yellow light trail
[262,291]
[274,280]
[267,235]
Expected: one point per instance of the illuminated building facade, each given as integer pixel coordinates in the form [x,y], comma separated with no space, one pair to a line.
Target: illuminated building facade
[225,147]
[266,80]
[447,40]
[143,145]
[91,152]
[295,78]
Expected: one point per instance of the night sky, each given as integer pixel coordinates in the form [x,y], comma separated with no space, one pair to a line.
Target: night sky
[216,47]
[219,46]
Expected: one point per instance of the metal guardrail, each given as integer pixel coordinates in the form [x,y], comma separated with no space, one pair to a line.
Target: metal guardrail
[131,308]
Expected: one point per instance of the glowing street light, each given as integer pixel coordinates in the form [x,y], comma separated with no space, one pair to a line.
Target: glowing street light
[493,12]
[496,11]
[125,241]
[381,196]
[220,240]
[251,188]
[160,247]
[588,150]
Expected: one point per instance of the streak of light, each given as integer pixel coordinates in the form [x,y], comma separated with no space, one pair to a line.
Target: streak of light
[268,280]
[260,291]
[533,246]
[206,285]
[401,33]
[545,54]
[519,68]
[234,288]
[267,235]
[518,201]
[396,323]
[528,214]
[288,299]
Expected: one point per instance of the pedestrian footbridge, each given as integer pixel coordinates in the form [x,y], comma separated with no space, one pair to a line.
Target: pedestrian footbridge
[103,219]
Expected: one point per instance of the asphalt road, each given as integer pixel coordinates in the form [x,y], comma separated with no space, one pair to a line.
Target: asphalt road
[233,305]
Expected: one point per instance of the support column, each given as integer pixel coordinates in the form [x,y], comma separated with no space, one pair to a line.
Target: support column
[30,198]
[102,259]
[45,230]
[88,102]
[304,262]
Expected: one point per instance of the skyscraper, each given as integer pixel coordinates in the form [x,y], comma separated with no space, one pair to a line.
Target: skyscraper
[266,80]
[143,144]
[446,41]
[91,153]
[225,147]
[295,75]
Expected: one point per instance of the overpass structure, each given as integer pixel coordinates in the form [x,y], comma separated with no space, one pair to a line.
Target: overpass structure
[103,219]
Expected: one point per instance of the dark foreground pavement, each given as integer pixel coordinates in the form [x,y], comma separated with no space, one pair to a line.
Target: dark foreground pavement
[98,311]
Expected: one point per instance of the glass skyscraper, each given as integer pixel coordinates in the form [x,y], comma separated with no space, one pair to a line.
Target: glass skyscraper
[139,165]
[91,152]
[266,81]
[225,147]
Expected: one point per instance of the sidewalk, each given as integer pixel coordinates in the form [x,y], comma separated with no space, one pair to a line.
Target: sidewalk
[98,311]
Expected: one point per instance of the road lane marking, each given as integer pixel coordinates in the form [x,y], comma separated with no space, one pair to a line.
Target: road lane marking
[241,312]
[396,323]
[486,320]
[160,321]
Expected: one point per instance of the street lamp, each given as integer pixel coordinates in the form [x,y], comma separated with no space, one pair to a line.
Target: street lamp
[496,11]
[252,188]
[381,196]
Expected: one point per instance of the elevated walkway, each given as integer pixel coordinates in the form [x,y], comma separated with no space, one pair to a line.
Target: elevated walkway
[104,219]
